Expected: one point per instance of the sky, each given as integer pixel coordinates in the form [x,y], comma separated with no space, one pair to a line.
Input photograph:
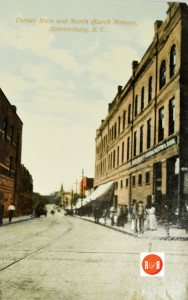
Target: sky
[61,80]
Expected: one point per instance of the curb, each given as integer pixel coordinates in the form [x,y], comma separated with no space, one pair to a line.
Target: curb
[167,238]
[17,221]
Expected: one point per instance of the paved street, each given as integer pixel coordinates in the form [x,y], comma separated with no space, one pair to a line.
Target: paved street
[62,257]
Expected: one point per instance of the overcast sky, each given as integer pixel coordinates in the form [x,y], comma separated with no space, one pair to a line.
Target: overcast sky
[62,81]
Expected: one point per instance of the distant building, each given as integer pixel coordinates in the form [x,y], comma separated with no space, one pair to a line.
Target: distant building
[16,184]
[86,184]
[65,198]
[142,145]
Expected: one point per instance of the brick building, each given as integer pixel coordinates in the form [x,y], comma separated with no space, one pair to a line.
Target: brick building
[86,184]
[142,144]
[16,183]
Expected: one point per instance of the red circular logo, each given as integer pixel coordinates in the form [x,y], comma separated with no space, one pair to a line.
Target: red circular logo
[152,264]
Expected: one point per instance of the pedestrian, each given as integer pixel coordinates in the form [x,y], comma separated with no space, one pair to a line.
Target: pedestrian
[134,216]
[96,214]
[11,210]
[105,215]
[2,207]
[146,218]
[152,218]
[113,212]
[140,217]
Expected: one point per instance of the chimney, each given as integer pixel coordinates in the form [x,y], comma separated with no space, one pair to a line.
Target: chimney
[157,25]
[119,89]
[134,65]
[14,108]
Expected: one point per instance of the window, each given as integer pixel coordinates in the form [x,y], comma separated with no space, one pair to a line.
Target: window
[128,147]
[119,125]
[118,156]
[162,80]
[171,116]
[109,162]
[161,124]
[172,60]
[127,182]
[148,133]
[121,184]
[114,159]
[150,89]
[147,177]
[135,143]
[140,179]
[142,98]
[133,181]
[5,128]
[10,165]
[112,133]
[122,153]
[141,138]
[116,185]
[129,114]
[11,134]
[136,106]
[124,118]
[115,130]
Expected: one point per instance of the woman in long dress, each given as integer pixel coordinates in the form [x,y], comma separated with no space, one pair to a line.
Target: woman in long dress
[152,218]
[134,216]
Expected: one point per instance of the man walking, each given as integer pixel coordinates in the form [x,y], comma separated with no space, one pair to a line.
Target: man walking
[11,209]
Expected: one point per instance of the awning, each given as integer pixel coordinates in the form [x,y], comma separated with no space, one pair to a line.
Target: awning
[103,191]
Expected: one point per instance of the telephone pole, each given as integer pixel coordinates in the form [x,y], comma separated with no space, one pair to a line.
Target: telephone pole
[82,189]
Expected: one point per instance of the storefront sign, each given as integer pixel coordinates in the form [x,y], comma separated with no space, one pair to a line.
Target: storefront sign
[152,152]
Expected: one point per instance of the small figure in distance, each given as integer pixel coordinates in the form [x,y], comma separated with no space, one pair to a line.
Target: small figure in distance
[52,212]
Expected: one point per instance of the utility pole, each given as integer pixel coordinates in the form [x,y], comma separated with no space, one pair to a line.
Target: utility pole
[82,190]
[76,185]
[72,198]
[76,194]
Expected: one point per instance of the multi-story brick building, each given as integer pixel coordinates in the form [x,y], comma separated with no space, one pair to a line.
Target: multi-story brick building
[15,181]
[142,143]
[86,184]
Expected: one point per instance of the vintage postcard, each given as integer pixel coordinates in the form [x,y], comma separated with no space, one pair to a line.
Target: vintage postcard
[93,150]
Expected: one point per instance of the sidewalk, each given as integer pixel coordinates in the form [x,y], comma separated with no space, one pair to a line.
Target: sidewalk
[17,219]
[160,233]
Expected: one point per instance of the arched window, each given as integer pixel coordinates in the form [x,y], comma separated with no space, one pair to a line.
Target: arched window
[150,87]
[172,60]
[162,80]
[143,98]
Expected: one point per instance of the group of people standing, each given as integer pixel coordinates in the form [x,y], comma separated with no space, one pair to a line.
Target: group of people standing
[11,210]
[142,218]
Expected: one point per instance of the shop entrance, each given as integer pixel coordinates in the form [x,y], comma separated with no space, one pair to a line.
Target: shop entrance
[172,188]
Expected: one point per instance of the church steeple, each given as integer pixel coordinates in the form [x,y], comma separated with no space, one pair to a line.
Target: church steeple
[62,190]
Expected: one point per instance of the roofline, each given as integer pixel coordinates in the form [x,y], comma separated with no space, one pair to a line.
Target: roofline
[5,98]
